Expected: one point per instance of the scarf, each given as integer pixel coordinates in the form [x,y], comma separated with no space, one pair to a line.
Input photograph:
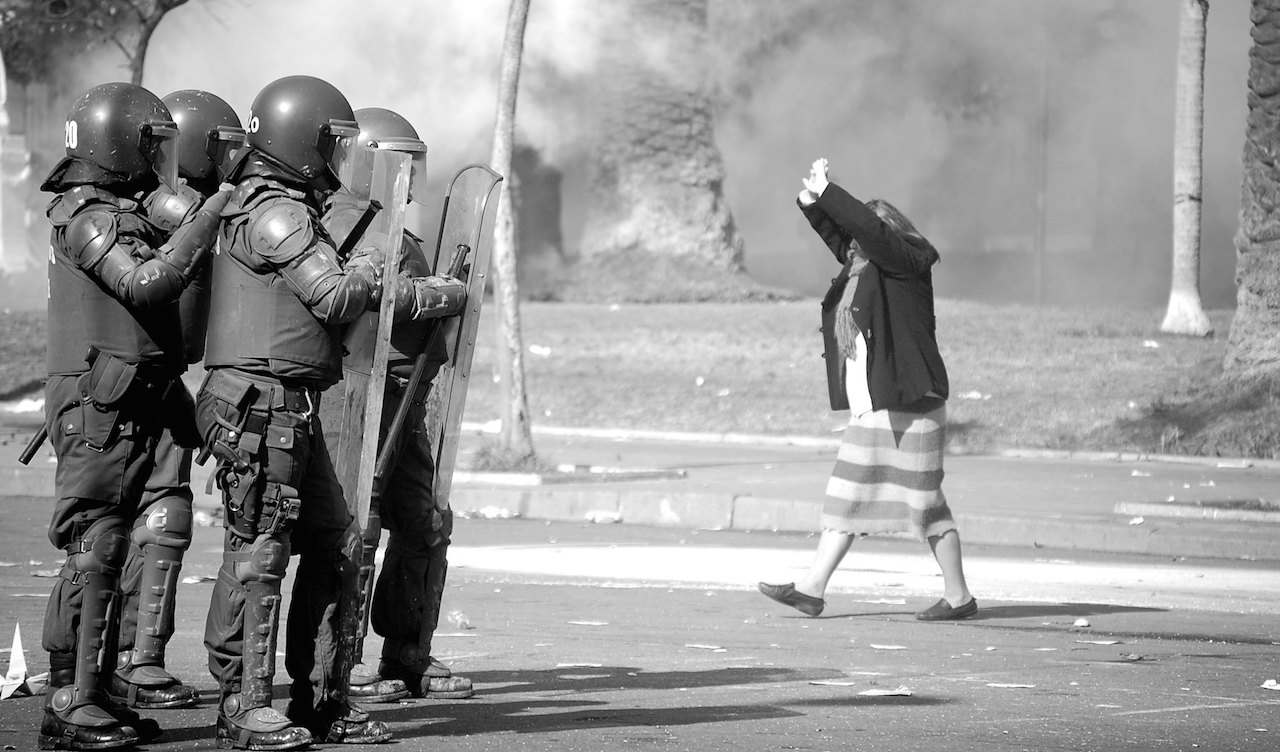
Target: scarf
[846,330]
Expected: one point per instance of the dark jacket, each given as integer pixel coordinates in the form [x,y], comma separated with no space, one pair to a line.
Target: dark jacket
[892,304]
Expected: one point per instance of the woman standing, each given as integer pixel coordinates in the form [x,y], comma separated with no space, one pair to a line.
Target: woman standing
[883,366]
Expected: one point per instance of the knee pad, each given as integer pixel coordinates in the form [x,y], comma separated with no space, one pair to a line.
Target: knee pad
[264,560]
[101,549]
[168,523]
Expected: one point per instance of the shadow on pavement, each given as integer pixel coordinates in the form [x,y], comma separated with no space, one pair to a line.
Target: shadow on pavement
[467,717]
[609,678]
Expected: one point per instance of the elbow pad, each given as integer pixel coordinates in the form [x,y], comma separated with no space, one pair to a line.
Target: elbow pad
[145,284]
[333,295]
[428,297]
[189,247]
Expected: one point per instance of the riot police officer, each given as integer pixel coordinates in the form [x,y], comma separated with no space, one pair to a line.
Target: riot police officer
[208,132]
[115,352]
[280,296]
[405,607]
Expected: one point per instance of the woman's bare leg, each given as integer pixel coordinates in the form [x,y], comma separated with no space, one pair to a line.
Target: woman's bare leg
[832,546]
[946,549]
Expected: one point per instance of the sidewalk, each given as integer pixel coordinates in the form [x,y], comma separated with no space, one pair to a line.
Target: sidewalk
[1129,504]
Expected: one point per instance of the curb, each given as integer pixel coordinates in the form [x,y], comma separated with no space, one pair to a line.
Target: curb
[712,511]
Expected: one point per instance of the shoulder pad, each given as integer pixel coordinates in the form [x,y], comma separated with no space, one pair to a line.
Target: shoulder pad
[254,190]
[281,230]
[89,235]
[67,205]
[168,209]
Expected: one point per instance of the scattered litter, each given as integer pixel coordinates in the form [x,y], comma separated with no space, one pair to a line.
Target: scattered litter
[458,620]
[973,395]
[615,307]
[724,392]
[1271,684]
[889,647]
[1207,483]
[1140,474]
[886,601]
[1002,685]
[8,563]
[29,595]
[1150,344]
[1044,650]
[699,381]
[716,648]
[539,350]
[45,573]
[989,648]
[1171,498]
[895,692]
[1133,657]
[1138,520]
[1098,642]
[1082,622]
[579,665]
[588,623]
[602,517]
[866,673]
[832,683]
[1104,705]
[198,578]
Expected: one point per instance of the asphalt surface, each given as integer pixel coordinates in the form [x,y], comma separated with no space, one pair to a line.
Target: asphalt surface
[590,636]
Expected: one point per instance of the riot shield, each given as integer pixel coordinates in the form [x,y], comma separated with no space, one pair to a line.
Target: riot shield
[368,341]
[462,230]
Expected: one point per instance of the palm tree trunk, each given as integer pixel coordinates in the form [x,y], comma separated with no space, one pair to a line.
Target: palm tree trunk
[1253,347]
[516,437]
[1185,314]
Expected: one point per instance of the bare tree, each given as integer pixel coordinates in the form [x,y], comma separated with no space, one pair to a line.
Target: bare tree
[516,437]
[1253,346]
[1185,314]
[134,45]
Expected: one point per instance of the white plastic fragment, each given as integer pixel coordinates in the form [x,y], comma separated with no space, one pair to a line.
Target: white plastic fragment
[1004,685]
[889,647]
[602,517]
[1098,642]
[1137,520]
[895,692]
[588,623]
[1081,622]
[1271,684]
[1140,474]
[198,578]
[458,620]
[539,350]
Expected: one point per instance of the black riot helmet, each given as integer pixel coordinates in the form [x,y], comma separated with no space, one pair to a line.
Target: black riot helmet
[381,128]
[124,129]
[305,124]
[209,132]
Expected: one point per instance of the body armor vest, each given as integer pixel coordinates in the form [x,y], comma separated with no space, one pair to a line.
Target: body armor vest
[83,314]
[257,323]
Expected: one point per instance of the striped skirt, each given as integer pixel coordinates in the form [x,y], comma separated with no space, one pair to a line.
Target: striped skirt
[888,476]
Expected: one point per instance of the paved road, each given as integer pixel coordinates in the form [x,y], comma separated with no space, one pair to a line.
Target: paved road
[613,636]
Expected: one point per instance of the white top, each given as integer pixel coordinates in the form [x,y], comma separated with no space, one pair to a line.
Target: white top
[855,379]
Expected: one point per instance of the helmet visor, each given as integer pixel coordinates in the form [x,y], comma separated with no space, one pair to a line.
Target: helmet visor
[221,145]
[350,166]
[418,167]
[158,142]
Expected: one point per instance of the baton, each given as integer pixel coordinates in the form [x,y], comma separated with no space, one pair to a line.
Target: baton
[358,229]
[386,457]
[33,446]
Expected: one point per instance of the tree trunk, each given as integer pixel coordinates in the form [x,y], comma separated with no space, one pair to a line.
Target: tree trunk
[1253,347]
[516,436]
[656,208]
[1185,314]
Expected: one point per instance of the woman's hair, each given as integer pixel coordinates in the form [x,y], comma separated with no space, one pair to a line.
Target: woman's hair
[892,216]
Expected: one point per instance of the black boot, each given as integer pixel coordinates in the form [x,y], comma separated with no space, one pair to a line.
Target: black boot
[257,728]
[151,687]
[68,725]
[339,723]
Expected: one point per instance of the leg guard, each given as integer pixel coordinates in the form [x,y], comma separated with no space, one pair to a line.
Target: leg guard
[259,567]
[364,684]
[77,714]
[159,541]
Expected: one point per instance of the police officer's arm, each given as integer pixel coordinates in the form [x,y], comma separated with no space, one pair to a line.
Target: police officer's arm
[134,273]
[283,235]
[429,297]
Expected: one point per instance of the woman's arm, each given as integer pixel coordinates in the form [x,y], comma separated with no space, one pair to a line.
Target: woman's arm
[881,244]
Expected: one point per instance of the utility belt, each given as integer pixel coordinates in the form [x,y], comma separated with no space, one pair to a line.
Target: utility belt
[235,413]
[109,386]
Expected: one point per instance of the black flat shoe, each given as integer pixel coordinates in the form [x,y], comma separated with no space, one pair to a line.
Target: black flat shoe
[942,611]
[788,596]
